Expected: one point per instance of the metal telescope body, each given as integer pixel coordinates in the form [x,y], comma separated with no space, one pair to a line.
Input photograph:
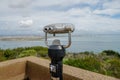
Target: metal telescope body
[56,51]
[59,28]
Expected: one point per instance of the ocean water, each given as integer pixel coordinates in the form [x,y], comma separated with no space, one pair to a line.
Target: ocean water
[95,43]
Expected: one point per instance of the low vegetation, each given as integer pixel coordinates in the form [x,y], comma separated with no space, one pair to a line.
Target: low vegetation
[22,52]
[107,62]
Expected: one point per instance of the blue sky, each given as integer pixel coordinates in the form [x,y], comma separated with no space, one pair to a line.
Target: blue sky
[30,16]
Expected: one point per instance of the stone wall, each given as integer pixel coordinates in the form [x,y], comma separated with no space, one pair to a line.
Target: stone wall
[38,69]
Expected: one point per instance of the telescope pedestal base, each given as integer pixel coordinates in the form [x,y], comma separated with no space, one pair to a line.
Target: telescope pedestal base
[56,70]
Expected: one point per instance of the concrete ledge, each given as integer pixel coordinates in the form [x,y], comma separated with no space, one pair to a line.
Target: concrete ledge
[38,69]
[9,70]
[85,75]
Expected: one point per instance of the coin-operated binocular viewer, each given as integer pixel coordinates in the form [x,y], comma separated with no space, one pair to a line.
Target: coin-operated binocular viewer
[56,51]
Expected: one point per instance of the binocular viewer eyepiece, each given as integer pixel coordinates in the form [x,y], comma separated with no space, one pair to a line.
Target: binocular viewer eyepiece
[59,28]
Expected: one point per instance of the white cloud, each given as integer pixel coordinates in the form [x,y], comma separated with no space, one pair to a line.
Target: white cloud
[79,12]
[26,23]
[62,3]
[19,3]
[114,4]
[84,18]
[110,12]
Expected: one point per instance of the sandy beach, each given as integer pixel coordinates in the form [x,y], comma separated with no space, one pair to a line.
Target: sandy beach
[20,38]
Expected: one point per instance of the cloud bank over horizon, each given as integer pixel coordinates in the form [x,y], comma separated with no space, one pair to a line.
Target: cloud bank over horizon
[30,16]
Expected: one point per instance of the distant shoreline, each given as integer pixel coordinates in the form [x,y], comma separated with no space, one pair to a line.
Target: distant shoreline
[20,38]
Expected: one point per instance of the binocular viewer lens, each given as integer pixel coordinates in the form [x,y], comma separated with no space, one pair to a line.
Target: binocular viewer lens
[59,28]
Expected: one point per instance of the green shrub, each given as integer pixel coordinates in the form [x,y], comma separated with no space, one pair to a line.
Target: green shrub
[39,48]
[87,53]
[27,53]
[114,68]
[9,54]
[42,53]
[111,53]
[2,57]
[18,50]
[22,52]
[88,63]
